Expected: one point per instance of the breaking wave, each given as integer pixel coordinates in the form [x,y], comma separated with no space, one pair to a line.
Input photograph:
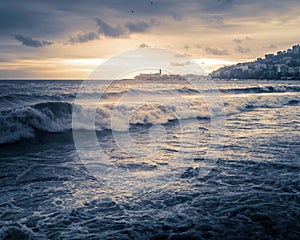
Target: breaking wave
[190,90]
[24,122]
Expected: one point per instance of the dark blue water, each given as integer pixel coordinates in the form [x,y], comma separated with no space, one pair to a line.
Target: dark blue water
[250,192]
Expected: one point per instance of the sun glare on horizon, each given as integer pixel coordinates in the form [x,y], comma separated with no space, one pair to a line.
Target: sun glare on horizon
[88,65]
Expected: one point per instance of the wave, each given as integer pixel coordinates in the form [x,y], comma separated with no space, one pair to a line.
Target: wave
[264,89]
[12,100]
[24,122]
[187,90]
[23,98]
[56,116]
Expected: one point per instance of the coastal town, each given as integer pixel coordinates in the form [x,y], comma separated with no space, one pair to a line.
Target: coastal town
[284,65]
[157,76]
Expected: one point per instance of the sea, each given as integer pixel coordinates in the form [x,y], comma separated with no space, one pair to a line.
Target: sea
[149,159]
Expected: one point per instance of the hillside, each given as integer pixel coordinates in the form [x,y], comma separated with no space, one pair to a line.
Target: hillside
[284,65]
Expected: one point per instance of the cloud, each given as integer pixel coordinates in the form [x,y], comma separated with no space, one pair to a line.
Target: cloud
[120,31]
[179,55]
[108,30]
[84,37]
[216,51]
[4,60]
[28,41]
[56,17]
[218,20]
[272,46]
[223,2]
[241,49]
[144,45]
[31,18]
[180,64]
[137,27]
[240,40]
[237,40]
[176,16]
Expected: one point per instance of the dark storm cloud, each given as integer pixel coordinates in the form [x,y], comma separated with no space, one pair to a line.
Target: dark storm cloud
[29,17]
[137,27]
[84,37]
[239,9]
[28,41]
[241,49]
[53,18]
[225,1]
[109,30]
[216,51]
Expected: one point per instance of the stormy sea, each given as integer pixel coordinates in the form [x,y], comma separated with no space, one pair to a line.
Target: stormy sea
[159,174]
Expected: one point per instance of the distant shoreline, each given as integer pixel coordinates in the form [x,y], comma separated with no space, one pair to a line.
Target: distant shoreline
[285,65]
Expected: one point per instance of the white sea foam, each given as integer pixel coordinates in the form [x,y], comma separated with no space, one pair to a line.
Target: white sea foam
[26,121]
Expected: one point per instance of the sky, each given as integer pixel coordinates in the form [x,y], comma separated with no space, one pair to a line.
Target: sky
[59,39]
